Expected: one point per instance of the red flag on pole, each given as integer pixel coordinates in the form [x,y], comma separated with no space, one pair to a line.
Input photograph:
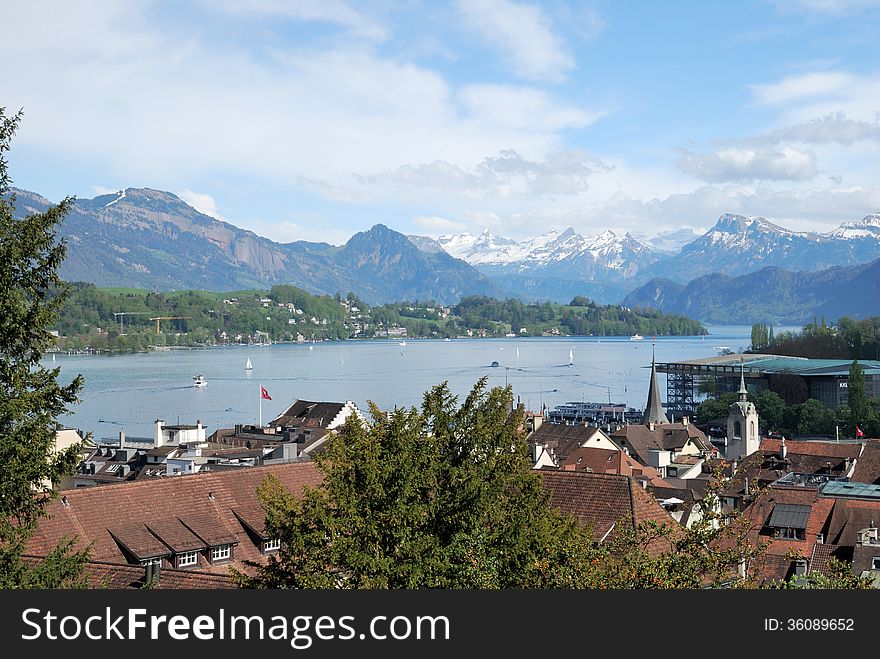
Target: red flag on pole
[264,394]
[859,432]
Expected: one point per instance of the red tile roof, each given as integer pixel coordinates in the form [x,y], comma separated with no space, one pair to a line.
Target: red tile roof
[800,447]
[601,501]
[868,465]
[849,517]
[606,461]
[95,514]
[121,575]
[775,564]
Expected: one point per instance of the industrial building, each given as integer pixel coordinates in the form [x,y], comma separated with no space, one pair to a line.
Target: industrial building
[826,380]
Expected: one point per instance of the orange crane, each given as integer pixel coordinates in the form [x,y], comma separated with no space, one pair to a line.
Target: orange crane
[158,318]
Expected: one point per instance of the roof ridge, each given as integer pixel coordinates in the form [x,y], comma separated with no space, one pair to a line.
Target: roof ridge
[206,474]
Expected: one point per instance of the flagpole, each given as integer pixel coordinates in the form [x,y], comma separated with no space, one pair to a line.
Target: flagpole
[261,406]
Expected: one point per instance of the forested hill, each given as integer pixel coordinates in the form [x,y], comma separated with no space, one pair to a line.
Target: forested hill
[581,317]
[101,320]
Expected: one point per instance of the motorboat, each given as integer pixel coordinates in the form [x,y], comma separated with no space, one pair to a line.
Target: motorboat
[199,381]
[637,337]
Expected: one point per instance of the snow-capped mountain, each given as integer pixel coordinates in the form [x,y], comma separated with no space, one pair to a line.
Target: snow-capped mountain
[607,263]
[555,257]
[563,252]
[738,245]
[867,227]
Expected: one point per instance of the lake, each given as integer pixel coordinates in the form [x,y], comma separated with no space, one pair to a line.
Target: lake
[131,391]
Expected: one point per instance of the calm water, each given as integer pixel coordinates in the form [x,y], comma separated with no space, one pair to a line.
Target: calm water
[131,391]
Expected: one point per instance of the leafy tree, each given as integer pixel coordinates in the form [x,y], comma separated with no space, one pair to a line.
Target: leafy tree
[839,577]
[714,408]
[771,409]
[31,294]
[441,497]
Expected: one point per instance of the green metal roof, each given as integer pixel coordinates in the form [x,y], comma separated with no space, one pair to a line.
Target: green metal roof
[755,363]
[851,489]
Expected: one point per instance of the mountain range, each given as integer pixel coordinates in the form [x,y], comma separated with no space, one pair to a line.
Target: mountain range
[769,295]
[147,238]
[608,264]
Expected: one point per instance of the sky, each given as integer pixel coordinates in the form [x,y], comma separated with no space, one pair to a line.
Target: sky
[316,119]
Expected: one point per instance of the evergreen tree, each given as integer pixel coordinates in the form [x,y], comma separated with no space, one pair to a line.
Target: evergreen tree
[857,397]
[31,295]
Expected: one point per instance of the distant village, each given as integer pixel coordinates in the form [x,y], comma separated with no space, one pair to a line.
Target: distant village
[180,507]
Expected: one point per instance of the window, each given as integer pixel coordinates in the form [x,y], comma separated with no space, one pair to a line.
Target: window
[875,563]
[272,545]
[790,534]
[737,429]
[111,469]
[151,561]
[187,558]
[221,553]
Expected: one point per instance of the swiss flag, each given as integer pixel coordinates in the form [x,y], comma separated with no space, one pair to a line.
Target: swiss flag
[265,394]
[859,432]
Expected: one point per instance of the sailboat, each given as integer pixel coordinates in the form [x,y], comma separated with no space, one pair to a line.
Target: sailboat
[571,357]
[248,366]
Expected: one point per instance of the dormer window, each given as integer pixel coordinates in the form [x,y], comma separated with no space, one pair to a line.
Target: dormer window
[221,553]
[271,545]
[187,559]
[789,521]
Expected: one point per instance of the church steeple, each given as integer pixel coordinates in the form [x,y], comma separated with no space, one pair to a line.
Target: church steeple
[654,409]
[743,392]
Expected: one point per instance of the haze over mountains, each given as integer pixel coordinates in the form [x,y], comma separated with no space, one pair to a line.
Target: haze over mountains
[152,239]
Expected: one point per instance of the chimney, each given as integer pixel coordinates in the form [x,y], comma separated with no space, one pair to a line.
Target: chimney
[685,420]
[157,435]
[651,426]
[746,486]
[784,449]
[122,439]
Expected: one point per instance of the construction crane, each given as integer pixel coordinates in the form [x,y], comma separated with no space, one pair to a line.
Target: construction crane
[158,318]
[120,316]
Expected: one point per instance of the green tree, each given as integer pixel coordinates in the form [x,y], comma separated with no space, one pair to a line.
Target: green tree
[715,408]
[771,409]
[441,497]
[31,294]
[857,397]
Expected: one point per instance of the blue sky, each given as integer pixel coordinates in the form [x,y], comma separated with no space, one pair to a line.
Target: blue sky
[316,119]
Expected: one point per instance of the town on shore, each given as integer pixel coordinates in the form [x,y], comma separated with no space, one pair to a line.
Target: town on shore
[186,504]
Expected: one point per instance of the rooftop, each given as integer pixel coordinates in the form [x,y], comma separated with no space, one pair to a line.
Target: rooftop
[762,364]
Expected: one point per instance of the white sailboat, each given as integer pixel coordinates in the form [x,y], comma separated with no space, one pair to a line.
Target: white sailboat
[571,357]
[248,366]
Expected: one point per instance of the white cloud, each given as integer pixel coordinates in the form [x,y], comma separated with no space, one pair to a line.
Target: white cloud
[817,209]
[101,190]
[438,225]
[835,128]
[523,108]
[160,104]
[204,203]
[505,175]
[745,164]
[335,12]
[524,36]
[803,86]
